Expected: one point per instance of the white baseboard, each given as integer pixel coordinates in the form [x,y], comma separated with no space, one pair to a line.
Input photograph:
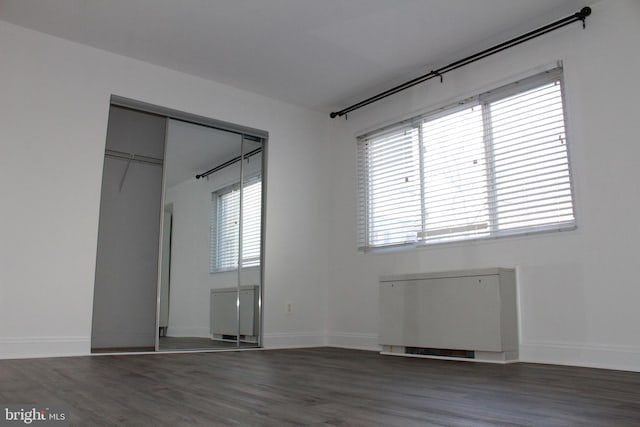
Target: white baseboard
[457,359]
[33,347]
[294,340]
[353,340]
[624,358]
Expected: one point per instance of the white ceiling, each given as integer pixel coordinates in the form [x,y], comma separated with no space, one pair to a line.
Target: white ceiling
[321,54]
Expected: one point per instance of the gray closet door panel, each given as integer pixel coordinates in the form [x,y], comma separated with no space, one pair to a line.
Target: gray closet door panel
[127,259]
[125,292]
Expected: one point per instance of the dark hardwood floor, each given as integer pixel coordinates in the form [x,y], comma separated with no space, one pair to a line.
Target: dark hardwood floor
[319,386]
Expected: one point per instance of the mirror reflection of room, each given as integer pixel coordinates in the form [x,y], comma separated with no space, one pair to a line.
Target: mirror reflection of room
[211,242]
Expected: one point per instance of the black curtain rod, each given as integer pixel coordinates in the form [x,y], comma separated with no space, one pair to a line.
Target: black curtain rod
[229,163]
[578,16]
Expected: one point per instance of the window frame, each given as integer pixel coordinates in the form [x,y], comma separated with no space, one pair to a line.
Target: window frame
[482,100]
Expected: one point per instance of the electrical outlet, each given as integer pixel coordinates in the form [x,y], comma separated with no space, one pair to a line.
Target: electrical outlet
[289,308]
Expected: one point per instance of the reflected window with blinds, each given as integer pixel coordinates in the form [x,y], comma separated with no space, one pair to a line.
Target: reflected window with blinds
[493,165]
[225,226]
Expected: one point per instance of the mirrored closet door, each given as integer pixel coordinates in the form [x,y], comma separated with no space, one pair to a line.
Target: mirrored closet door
[211,270]
[205,279]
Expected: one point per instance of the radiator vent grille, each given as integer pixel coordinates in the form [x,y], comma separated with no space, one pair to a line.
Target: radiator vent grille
[443,352]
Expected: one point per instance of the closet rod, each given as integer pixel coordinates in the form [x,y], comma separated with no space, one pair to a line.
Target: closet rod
[229,163]
[578,16]
[133,157]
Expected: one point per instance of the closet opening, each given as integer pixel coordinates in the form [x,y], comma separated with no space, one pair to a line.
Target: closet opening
[181,233]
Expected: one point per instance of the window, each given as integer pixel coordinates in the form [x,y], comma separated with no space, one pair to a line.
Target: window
[225,226]
[489,166]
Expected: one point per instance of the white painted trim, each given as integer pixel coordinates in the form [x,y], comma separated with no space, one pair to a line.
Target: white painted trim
[353,340]
[36,347]
[294,340]
[603,356]
[457,359]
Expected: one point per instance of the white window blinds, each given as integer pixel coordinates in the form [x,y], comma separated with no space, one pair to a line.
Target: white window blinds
[225,230]
[225,226]
[392,203]
[495,164]
[251,222]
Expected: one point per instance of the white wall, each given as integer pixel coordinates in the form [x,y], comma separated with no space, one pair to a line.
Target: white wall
[579,290]
[53,120]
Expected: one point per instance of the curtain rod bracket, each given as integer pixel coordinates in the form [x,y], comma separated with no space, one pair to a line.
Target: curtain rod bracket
[582,15]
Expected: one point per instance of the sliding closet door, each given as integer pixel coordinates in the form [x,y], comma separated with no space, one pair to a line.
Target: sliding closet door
[125,296]
[210,293]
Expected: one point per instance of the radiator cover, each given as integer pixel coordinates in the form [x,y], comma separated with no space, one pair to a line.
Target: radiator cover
[474,311]
[224,312]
